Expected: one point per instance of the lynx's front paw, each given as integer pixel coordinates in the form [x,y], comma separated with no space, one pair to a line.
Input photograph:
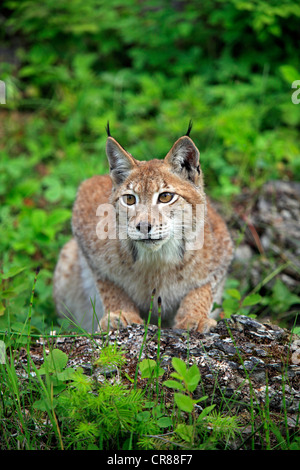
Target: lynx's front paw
[113,320]
[193,324]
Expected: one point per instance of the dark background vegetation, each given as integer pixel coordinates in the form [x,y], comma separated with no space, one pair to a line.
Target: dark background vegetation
[148,67]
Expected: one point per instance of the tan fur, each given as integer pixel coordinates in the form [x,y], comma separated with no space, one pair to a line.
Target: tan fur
[111,280]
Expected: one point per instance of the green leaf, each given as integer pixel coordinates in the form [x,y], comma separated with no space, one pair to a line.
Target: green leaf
[174,384]
[179,366]
[282,298]
[66,374]
[184,402]
[234,293]
[177,376]
[185,431]
[164,422]
[13,272]
[42,404]
[55,362]
[148,368]
[38,220]
[59,216]
[289,73]
[143,416]
[251,299]
[192,378]
[231,305]
[8,293]
[147,364]
[2,309]
[45,404]
[205,412]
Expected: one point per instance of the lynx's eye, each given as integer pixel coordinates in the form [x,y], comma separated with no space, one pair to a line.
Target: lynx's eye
[129,199]
[165,197]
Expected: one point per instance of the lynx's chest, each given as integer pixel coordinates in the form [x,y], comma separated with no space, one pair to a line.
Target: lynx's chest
[170,281]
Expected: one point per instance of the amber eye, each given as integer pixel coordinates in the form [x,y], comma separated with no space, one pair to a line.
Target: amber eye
[165,197]
[129,199]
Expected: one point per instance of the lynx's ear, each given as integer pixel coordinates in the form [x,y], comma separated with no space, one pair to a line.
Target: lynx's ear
[184,159]
[120,162]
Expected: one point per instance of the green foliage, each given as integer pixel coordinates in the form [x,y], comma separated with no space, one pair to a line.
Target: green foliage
[295,445]
[56,374]
[234,303]
[149,68]
[186,380]
[71,410]
[219,427]
[103,417]
[280,298]
[54,365]
[111,356]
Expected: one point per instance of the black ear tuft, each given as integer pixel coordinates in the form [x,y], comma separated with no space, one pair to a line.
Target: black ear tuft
[108,130]
[189,128]
[184,159]
[120,162]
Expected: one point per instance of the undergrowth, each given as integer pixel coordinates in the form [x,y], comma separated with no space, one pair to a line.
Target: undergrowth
[58,406]
[148,69]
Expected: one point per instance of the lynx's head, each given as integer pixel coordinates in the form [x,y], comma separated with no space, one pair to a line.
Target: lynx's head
[158,202]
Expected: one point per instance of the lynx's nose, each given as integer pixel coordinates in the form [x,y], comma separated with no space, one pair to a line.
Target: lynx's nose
[143,227]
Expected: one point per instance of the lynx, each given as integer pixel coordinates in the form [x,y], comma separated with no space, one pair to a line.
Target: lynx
[144,234]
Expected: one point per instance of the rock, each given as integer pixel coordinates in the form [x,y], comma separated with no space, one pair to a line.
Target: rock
[243,253]
[268,222]
[278,209]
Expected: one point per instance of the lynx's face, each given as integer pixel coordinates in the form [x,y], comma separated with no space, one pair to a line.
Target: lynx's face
[150,212]
[156,201]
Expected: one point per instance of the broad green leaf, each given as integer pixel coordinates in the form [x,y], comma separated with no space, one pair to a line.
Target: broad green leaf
[289,73]
[58,216]
[231,305]
[251,299]
[143,416]
[234,293]
[13,272]
[205,412]
[43,404]
[176,376]
[179,365]
[39,220]
[185,431]
[65,374]
[173,384]
[192,378]
[164,422]
[184,402]
[147,364]
[149,368]
[55,362]
[8,293]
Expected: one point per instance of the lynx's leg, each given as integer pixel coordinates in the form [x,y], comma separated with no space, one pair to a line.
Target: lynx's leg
[194,310]
[74,289]
[119,308]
